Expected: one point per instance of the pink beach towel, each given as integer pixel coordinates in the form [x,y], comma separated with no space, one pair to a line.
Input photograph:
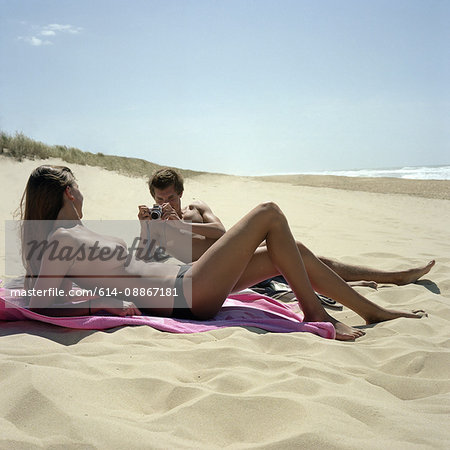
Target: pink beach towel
[243,309]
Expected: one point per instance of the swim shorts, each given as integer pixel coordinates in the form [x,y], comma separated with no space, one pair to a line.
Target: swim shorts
[181,309]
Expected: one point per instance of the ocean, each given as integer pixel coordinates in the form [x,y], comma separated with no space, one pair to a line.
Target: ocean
[414,173]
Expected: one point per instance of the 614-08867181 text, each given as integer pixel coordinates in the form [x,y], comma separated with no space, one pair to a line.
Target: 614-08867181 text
[137,292]
[101,291]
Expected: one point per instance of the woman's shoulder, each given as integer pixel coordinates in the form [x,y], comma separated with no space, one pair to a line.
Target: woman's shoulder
[64,235]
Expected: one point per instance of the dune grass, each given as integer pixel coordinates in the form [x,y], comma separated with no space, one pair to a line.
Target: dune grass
[21,147]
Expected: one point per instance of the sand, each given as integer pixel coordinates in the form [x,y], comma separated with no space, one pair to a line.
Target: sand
[135,387]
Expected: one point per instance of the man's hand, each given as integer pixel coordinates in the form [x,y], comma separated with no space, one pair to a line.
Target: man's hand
[144,213]
[168,213]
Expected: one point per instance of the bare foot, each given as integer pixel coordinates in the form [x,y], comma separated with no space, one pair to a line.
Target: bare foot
[343,332]
[371,284]
[386,314]
[346,333]
[412,275]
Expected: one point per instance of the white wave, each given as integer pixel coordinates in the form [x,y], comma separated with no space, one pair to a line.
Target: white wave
[415,173]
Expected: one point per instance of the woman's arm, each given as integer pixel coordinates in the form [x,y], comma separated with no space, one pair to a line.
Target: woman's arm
[108,305]
[51,287]
[112,306]
[51,290]
[61,310]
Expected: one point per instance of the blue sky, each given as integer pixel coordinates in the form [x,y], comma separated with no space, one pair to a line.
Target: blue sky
[242,87]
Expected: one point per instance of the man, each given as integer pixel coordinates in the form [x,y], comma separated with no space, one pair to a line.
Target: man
[166,187]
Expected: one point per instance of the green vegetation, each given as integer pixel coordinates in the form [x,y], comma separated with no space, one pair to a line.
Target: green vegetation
[21,147]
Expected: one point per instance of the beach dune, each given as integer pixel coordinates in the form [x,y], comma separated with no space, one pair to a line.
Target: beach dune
[136,387]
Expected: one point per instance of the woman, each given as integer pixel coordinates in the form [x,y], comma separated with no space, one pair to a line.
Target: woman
[198,290]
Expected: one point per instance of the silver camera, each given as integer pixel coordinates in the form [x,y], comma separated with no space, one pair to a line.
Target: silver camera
[155,212]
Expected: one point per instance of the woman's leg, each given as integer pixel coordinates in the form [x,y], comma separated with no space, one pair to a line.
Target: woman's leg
[221,267]
[324,281]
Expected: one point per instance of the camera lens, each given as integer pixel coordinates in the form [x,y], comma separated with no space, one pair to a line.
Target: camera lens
[155,214]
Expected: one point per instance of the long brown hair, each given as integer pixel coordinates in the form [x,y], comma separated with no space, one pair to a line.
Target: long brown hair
[41,202]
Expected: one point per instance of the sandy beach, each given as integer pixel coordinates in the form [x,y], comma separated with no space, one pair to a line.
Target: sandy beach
[136,387]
